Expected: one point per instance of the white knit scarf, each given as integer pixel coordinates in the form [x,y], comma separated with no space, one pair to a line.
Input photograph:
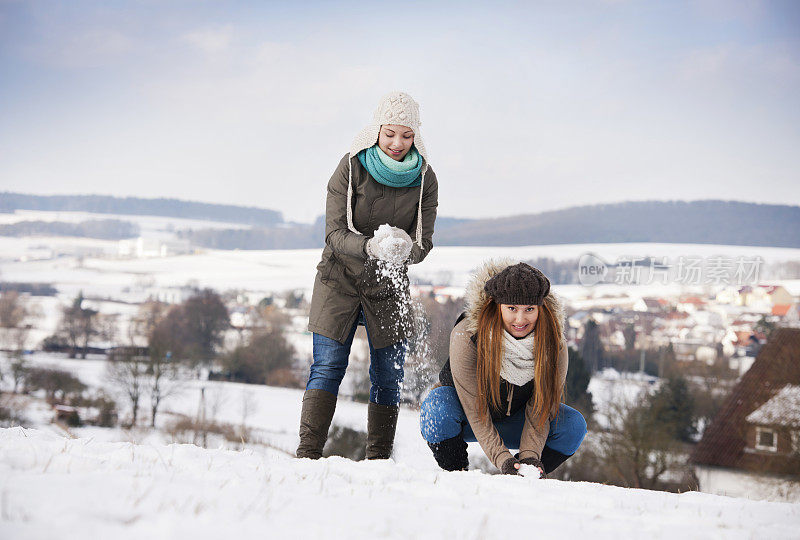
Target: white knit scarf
[518,362]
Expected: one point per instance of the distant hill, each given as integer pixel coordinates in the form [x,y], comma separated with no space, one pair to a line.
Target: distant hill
[135,206]
[696,222]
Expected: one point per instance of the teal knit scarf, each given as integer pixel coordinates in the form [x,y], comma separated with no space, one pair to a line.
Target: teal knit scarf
[389,172]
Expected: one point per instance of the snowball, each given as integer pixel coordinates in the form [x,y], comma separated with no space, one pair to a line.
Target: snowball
[383,232]
[529,471]
[393,244]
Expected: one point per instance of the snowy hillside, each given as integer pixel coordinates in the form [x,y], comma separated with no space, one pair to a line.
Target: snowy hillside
[52,486]
[124,484]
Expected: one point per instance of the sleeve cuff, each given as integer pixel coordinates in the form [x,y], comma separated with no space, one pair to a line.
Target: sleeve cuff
[529,454]
[502,459]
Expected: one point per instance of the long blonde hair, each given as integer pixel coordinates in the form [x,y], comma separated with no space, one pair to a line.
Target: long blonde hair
[546,348]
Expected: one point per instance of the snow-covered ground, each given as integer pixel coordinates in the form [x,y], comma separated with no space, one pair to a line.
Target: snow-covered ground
[134,484]
[52,486]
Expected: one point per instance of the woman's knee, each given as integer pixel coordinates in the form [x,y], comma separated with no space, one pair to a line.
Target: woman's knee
[440,415]
[574,428]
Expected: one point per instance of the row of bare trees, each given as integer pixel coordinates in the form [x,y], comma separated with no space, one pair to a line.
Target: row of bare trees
[163,344]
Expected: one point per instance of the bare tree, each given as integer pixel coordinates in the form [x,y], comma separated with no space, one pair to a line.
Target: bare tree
[267,356]
[126,370]
[204,319]
[19,371]
[78,325]
[15,325]
[15,321]
[637,449]
[162,367]
[12,309]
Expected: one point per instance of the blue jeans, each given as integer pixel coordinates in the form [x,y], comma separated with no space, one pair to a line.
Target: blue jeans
[385,366]
[442,417]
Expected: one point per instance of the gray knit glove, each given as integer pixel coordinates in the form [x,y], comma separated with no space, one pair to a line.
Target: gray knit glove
[508,466]
[371,248]
[399,252]
[390,244]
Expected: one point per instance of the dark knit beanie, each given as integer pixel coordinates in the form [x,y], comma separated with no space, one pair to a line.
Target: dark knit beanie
[520,284]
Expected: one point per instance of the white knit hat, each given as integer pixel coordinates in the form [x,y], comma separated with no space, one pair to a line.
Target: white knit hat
[397,108]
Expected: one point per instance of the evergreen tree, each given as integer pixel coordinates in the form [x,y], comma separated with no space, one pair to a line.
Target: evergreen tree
[629,332]
[672,406]
[592,347]
[578,378]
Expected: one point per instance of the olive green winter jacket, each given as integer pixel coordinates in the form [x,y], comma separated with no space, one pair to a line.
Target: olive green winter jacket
[346,278]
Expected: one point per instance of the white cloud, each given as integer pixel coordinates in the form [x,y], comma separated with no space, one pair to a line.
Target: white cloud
[211,40]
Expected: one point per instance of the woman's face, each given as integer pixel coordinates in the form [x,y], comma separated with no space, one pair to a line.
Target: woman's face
[395,141]
[518,320]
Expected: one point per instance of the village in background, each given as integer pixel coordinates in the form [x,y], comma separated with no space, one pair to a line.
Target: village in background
[684,358]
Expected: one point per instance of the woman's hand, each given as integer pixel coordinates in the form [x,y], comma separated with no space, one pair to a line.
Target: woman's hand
[510,466]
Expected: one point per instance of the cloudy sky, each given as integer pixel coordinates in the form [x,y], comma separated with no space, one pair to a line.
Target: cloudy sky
[526,106]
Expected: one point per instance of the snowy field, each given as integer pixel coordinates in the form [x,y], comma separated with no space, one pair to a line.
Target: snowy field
[281,270]
[260,273]
[81,488]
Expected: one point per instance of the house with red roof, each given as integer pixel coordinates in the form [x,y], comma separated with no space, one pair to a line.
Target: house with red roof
[752,447]
[782,310]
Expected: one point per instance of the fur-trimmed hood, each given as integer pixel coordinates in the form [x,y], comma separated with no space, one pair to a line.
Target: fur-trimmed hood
[476,297]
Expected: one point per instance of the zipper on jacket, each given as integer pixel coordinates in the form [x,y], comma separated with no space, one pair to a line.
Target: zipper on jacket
[510,396]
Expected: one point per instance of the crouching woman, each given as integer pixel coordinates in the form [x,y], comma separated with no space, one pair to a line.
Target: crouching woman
[503,382]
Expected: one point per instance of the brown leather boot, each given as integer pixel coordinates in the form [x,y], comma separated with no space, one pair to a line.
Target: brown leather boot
[315,420]
[381,426]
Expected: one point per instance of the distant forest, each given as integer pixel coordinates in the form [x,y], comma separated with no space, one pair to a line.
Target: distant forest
[134,206]
[287,236]
[698,222]
[294,236]
[104,229]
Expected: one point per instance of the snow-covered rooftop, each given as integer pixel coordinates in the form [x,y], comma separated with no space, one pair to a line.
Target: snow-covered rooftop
[782,409]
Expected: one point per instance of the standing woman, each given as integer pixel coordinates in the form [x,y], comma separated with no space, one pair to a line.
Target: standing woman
[385,179]
[503,382]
